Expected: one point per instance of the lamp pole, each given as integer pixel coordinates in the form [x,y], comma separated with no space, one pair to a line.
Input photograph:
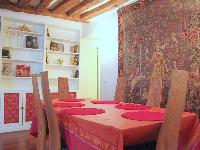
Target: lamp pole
[97,49]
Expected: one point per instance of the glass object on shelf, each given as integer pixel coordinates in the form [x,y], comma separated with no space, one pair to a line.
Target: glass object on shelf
[31,42]
[5,53]
[22,71]
[6,69]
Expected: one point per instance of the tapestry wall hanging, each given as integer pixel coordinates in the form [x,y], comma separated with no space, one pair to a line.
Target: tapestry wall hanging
[155,37]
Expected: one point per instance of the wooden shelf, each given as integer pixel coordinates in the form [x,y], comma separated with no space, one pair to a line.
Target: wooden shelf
[31,33]
[34,61]
[13,77]
[62,53]
[23,49]
[62,40]
[56,65]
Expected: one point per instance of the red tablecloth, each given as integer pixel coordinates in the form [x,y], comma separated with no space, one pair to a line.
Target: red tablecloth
[82,111]
[128,106]
[72,99]
[110,131]
[60,104]
[104,102]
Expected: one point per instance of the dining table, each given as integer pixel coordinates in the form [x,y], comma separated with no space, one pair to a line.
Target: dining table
[110,130]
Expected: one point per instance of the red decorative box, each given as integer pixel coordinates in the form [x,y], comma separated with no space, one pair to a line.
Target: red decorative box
[22,71]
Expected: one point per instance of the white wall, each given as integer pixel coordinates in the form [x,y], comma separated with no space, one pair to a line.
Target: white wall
[40,19]
[105,28]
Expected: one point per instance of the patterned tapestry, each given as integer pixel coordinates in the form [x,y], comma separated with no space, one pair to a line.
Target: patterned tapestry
[156,37]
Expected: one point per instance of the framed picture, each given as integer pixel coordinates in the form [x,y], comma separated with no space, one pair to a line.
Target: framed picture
[22,71]
[31,42]
[54,46]
[6,69]
[5,53]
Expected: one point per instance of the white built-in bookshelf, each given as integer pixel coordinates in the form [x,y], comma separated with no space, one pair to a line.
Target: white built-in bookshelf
[66,39]
[40,56]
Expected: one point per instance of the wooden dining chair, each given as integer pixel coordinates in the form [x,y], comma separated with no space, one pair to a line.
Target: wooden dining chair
[63,88]
[120,89]
[54,142]
[169,132]
[41,138]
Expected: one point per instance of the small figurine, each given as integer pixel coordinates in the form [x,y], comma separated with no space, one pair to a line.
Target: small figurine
[47,59]
[24,28]
[59,61]
[48,35]
[76,60]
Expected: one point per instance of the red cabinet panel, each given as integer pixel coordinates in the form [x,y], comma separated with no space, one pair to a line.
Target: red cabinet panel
[11,108]
[30,109]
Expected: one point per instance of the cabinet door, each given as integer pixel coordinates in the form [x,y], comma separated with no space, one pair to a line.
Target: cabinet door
[12,108]
[29,107]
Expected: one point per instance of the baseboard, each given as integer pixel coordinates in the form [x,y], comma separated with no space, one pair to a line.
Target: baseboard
[5,129]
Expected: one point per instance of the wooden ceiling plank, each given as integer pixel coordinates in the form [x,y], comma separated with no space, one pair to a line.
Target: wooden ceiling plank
[35,3]
[101,9]
[65,6]
[23,3]
[82,6]
[14,1]
[44,4]
[9,6]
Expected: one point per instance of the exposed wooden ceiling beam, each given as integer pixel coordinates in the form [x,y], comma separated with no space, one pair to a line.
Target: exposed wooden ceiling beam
[65,6]
[101,9]
[82,6]
[13,1]
[4,4]
[35,3]
[43,5]
[23,3]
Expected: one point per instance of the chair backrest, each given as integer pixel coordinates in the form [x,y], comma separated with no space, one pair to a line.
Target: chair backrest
[39,110]
[63,87]
[54,133]
[169,132]
[120,89]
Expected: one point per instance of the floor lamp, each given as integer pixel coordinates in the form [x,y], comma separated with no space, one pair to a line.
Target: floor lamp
[95,42]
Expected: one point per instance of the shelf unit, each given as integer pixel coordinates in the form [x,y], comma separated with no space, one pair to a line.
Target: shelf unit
[21,53]
[65,38]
